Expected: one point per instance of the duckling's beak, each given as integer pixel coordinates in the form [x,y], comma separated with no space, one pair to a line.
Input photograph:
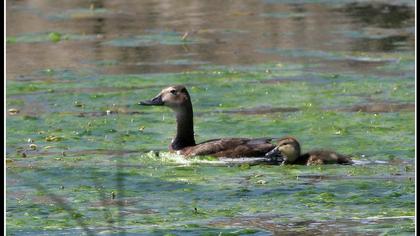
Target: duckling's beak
[275,154]
[156,101]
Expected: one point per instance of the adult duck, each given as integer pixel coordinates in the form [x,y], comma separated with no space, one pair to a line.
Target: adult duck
[178,99]
[288,152]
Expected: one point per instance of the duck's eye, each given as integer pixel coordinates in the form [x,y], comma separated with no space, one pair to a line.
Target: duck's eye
[173,92]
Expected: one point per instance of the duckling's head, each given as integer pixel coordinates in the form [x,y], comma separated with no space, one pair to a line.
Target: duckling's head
[287,150]
[175,97]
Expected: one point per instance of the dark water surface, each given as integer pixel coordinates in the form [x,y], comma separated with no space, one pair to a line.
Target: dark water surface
[335,74]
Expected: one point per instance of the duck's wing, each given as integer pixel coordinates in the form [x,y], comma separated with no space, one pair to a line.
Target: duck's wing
[231,147]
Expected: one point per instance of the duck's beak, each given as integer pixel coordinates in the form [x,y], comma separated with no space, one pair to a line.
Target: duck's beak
[275,154]
[156,101]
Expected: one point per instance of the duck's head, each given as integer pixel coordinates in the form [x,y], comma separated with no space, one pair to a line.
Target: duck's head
[174,97]
[287,150]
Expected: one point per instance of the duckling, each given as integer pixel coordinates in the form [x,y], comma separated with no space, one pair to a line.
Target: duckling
[178,99]
[288,152]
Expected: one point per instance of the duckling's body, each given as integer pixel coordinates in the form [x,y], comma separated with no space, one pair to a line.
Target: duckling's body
[178,99]
[288,151]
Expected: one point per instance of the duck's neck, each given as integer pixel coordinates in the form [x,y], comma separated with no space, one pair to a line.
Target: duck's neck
[185,128]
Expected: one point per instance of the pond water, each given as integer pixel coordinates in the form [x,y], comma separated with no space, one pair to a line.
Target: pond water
[83,158]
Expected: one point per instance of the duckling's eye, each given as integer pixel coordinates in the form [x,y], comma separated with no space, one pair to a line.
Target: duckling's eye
[173,91]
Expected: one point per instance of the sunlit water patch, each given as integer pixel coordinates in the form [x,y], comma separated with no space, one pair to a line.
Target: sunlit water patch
[164,38]
[81,13]
[42,37]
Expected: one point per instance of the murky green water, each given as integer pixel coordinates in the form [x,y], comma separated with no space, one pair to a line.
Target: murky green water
[82,156]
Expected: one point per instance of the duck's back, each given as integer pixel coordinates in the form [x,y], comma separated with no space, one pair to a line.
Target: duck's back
[323,157]
[230,147]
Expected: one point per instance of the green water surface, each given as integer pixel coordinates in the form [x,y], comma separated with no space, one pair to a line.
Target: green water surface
[83,158]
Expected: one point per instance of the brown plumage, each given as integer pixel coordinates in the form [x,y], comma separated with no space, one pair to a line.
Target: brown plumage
[178,99]
[288,152]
